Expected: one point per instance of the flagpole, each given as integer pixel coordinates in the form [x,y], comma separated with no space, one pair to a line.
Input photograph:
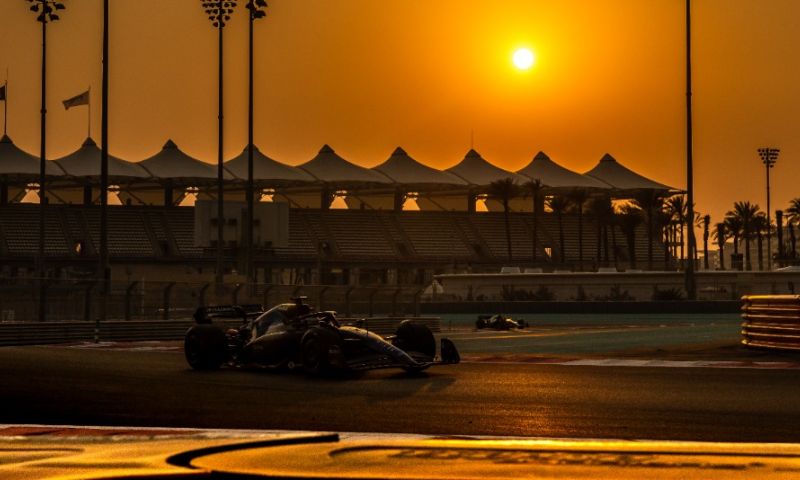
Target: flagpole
[5,107]
[89,105]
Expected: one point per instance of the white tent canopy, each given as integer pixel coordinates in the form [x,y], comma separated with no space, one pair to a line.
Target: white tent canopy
[554,175]
[172,163]
[329,167]
[613,173]
[403,169]
[85,162]
[266,169]
[16,162]
[477,171]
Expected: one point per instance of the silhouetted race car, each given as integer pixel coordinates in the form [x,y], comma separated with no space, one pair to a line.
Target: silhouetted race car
[499,322]
[292,336]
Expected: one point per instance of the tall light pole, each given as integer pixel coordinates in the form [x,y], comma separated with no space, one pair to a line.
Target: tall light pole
[104,271]
[769,156]
[219,12]
[690,285]
[255,10]
[46,13]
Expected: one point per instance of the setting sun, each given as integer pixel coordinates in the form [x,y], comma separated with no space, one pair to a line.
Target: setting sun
[524,58]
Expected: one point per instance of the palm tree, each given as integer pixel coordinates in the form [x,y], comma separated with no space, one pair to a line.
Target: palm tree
[630,219]
[779,231]
[535,188]
[792,219]
[650,202]
[559,204]
[602,210]
[663,224]
[578,198]
[46,12]
[720,235]
[733,226]
[698,223]
[676,208]
[760,225]
[706,224]
[503,191]
[745,212]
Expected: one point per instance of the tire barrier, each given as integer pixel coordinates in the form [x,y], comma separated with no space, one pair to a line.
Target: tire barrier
[771,321]
[44,333]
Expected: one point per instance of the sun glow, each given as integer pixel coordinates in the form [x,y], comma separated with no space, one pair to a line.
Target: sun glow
[524,58]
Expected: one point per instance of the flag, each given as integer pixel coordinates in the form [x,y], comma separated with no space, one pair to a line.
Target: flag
[82,99]
[3,93]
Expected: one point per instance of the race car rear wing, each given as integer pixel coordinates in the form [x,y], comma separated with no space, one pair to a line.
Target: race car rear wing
[206,314]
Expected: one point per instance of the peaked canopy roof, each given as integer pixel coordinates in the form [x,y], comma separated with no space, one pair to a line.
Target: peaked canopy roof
[329,167]
[266,169]
[16,162]
[554,175]
[618,176]
[401,168]
[172,163]
[85,162]
[477,171]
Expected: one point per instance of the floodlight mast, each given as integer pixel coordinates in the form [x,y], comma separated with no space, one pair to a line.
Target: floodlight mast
[255,11]
[219,13]
[46,11]
[769,157]
[690,282]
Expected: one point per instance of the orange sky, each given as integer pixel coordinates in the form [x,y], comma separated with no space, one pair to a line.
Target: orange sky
[368,75]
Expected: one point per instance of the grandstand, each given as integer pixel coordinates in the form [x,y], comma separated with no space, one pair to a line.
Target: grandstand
[153,232]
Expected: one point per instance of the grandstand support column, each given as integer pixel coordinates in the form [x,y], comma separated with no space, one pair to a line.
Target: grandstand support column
[348,306]
[166,303]
[129,299]
[321,297]
[399,200]
[417,297]
[202,295]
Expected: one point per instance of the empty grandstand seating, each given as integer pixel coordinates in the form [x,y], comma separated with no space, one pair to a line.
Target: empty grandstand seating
[434,235]
[435,238]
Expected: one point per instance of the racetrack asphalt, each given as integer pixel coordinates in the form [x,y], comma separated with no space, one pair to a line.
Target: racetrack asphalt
[57,385]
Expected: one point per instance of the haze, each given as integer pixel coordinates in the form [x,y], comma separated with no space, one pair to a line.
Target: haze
[366,76]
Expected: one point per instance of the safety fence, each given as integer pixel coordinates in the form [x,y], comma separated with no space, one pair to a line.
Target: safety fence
[771,321]
[21,300]
[44,333]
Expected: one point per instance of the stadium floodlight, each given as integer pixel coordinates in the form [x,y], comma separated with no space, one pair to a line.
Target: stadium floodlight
[256,11]
[46,11]
[769,157]
[219,13]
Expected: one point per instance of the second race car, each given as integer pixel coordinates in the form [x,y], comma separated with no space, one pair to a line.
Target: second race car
[499,322]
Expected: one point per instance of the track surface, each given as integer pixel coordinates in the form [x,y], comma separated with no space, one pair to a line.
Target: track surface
[101,387]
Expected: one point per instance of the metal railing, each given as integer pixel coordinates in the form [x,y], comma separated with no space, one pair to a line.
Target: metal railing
[771,321]
[44,333]
[68,300]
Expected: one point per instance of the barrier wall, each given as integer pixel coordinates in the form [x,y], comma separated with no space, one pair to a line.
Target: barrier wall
[771,321]
[617,286]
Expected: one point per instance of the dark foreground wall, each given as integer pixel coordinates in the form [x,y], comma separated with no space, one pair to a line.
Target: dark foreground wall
[672,307]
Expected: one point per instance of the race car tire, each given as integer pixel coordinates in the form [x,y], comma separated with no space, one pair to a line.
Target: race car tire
[415,337]
[480,323]
[314,350]
[205,347]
